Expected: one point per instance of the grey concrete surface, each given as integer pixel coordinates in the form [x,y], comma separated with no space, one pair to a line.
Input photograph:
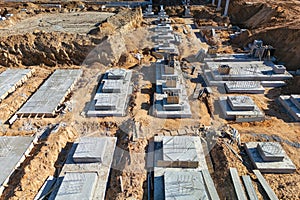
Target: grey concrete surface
[51,94]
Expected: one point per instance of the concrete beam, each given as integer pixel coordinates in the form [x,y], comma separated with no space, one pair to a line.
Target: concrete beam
[219,5]
[226,8]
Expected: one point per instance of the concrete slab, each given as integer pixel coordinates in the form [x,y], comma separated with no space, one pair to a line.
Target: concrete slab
[271,194]
[76,185]
[284,166]
[112,86]
[45,101]
[11,79]
[239,115]
[210,186]
[102,169]
[13,150]
[271,151]
[238,188]
[179,149]
[162,161]
[90,149]
[184,185]
[241,103]
[290,105]
[250,87]
[250,190]
[113,94]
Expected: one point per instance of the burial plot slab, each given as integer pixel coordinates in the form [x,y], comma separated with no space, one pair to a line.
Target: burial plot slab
[251,87]
[11,79]
[45,101]
[241,103]
[90,149]
[183,185]
[12,153]
[76,185]
[270,153]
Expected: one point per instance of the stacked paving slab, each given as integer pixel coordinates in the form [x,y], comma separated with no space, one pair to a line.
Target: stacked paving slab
[13,151]
[240,109]
[47,99]
[170,98]
[240,73]
[269,157]
[85,173]
[292,105]
[113,94]
[180,170]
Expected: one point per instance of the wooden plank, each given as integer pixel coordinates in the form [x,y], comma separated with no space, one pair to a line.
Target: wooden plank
[265,185]
[251,193]
[210,186]
[239,191]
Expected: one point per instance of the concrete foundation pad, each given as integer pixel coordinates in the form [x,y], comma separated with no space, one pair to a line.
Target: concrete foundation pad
[13,150]
[284,166]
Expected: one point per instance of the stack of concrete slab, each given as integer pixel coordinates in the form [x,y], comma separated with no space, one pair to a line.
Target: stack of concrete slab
[269,157]
[113,94]
[266,72]
[86,171]
[13,151]
[11,79]
[51,94]
[180,170]
[292,105]
[240,109]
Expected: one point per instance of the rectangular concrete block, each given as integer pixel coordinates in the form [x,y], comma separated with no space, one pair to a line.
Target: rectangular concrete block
[76,185]
[13,150]
[239,191]
[90,149]
[11,79]
[184,185]
[241,103]
[250,87]
[271,151]
[179,149]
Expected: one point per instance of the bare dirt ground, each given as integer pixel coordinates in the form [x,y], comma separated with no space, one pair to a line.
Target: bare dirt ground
[46,158]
